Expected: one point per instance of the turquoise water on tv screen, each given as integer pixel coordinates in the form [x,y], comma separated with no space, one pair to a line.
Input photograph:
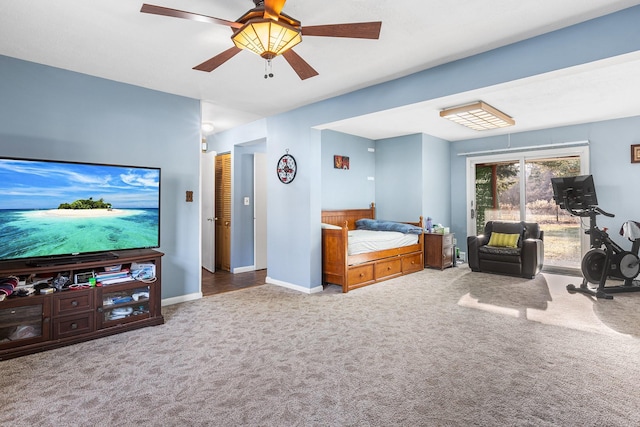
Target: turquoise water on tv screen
[35,233]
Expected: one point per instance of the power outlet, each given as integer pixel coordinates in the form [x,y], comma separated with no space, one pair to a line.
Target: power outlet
[246,201]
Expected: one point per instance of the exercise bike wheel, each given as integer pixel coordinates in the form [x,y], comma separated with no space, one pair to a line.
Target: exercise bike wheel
[629,265]
[593,265]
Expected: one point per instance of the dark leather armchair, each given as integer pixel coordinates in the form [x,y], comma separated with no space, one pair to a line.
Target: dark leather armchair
[525,260]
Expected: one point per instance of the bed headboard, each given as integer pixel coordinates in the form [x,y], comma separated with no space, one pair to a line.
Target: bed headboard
[350,216]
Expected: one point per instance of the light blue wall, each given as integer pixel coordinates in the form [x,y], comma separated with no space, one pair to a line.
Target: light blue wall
[294,209]
[347,189]
[436,169]
[399,178]
[49,113]
[616,178]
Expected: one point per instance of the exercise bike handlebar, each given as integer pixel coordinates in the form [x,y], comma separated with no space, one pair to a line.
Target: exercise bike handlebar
[600,211]
[591,211]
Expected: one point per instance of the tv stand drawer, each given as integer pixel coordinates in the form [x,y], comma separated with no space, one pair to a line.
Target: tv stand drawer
[69,302]
[73,325]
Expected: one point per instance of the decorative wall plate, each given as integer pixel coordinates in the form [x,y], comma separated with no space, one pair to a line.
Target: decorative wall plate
[286,168]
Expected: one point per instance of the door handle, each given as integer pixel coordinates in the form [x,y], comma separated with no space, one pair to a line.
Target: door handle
[473,213]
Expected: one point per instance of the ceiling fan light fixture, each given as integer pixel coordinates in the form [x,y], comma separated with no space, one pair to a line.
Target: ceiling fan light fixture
[266,37]
[478,116]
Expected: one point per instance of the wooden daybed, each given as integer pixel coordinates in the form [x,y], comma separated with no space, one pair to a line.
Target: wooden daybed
[355,271]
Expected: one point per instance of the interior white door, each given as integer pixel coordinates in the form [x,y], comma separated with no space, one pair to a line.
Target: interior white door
[207,187]
[260,210]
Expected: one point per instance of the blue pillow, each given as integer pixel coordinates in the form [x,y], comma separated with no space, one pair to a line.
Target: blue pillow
[379,225]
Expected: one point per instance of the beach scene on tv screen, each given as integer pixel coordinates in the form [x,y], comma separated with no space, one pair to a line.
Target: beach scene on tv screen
[57,208]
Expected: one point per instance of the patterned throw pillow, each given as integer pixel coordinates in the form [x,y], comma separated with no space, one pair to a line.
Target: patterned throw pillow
[502,240]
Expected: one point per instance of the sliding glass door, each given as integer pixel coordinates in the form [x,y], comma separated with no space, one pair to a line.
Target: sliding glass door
[517,186]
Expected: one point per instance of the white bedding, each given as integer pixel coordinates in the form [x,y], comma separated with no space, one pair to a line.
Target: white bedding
[362,241]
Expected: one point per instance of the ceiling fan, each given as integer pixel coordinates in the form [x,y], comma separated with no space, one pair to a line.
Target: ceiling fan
[268,32]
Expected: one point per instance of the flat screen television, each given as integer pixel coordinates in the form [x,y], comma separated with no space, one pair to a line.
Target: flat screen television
[574,192]
[53,210]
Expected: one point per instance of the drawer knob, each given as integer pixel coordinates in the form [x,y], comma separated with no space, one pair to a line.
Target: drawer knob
[388,268]
[74,326]
[361,274]
[74,303]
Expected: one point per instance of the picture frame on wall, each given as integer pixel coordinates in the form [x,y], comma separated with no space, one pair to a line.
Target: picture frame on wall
[341,162]
[635,153]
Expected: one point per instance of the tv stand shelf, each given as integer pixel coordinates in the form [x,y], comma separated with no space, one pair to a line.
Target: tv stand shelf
[43,322]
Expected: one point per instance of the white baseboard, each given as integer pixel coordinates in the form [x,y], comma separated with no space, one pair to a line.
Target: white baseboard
[244,269]
[181,298]
[298,288]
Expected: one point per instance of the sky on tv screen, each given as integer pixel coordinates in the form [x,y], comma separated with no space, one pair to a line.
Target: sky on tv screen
[27,184]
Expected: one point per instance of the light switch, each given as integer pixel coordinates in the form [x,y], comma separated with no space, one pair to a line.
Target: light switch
[246,201]
[189,196]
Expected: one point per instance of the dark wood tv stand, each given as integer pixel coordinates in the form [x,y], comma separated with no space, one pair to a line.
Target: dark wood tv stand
[42,322]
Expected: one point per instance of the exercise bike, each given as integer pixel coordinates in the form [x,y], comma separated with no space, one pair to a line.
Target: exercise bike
[605,258]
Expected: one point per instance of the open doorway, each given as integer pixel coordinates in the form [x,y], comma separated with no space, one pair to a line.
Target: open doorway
[244,205]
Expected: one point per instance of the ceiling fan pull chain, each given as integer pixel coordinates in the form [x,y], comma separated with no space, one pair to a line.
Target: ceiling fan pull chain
[267,63]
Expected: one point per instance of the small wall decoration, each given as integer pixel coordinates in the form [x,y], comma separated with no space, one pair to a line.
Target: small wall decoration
[286,168]
[635,153]
[341,162]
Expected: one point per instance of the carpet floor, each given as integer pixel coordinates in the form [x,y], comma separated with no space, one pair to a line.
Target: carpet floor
[434,348]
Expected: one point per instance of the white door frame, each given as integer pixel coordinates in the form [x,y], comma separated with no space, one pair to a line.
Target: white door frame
[207,210]
[260,211]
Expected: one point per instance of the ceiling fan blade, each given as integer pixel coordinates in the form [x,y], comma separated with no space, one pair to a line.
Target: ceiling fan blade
[213,63]
[360,30]
[165,11]
[299,65]
[273,7]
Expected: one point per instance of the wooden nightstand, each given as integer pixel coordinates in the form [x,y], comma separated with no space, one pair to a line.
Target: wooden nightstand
[438,250]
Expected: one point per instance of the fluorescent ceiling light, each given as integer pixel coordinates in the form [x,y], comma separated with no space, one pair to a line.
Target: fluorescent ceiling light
[478,116]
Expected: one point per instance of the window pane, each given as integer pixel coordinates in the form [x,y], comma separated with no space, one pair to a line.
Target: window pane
[561,229]
[497,193]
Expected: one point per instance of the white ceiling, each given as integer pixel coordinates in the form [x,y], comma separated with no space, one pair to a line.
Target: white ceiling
[113,40]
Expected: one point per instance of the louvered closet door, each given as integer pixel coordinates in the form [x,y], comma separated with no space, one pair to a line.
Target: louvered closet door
[223,212]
